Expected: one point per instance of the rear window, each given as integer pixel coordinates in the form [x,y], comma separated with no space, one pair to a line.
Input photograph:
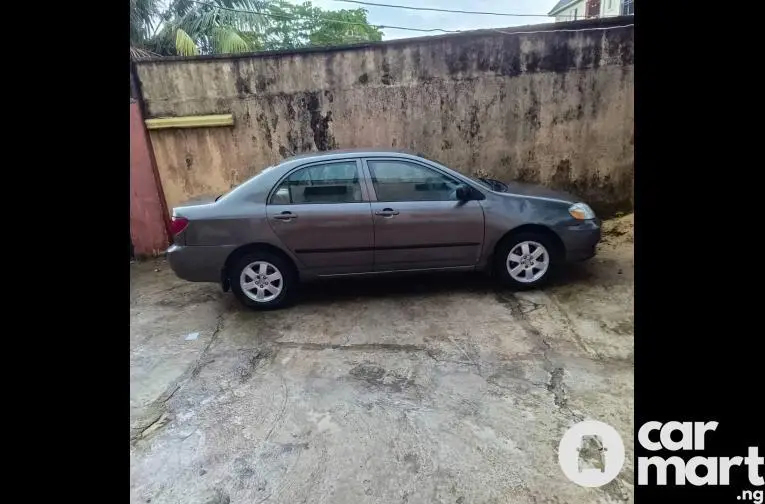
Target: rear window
[234,188]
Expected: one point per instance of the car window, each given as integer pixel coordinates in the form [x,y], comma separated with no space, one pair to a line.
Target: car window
[323,183]
[404,181]
[238,186]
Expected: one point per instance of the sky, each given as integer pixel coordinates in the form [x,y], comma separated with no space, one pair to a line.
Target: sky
[444,20]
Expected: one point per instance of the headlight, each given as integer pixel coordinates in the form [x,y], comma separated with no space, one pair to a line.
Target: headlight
[581,211]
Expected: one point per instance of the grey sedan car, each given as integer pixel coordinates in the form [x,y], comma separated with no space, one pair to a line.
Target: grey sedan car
[371,212]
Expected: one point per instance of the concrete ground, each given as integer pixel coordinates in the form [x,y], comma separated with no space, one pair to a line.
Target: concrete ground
[423,389]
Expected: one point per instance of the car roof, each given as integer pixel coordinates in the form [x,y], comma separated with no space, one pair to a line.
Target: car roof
[270,175]
[340,153]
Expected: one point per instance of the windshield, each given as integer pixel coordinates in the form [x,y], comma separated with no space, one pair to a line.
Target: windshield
[489,183]
[480,181]
[493,185]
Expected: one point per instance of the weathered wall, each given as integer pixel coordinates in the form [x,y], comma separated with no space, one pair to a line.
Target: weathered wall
[553,107]
[148,226]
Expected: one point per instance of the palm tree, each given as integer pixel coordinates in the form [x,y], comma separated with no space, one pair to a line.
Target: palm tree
[192,27]
[144,16]
[188,27]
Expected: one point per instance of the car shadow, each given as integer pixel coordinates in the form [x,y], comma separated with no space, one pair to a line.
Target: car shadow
[574,273]
[418,284]
[401,286]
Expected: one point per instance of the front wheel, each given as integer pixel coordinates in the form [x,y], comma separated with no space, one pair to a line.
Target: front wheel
[263,281]
[525,261]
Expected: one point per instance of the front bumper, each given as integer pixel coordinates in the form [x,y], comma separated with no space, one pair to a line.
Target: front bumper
[198,264]
[580,239]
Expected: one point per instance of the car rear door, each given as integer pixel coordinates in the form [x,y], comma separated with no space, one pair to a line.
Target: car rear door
[322,213]
[418,221]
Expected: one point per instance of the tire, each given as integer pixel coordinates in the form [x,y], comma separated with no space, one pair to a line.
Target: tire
[538,274]
[275,292]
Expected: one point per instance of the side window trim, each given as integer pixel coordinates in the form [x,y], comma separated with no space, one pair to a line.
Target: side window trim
[367,178]
[359,173]
[370,182]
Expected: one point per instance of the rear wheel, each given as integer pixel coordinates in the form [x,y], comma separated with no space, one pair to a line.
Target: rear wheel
[525,261]
[263,281]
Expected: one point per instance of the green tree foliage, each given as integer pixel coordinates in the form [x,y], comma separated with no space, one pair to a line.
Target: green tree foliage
[144,15]
[193,27]
[303,25]
[189,27]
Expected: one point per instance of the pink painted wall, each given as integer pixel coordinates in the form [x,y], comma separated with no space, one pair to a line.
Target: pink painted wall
[148,214]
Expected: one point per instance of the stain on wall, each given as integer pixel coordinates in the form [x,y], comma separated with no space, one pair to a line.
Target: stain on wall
[554,108]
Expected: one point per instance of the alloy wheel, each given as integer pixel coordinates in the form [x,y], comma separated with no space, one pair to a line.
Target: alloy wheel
[528,261]
[261,281]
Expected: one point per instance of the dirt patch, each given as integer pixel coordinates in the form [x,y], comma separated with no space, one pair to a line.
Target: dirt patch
[377,376]
[619,230]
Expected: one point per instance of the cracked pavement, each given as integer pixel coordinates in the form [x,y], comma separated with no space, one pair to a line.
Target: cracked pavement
[415,389]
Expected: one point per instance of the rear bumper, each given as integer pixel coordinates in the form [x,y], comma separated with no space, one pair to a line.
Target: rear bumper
[580,239]
[198,264]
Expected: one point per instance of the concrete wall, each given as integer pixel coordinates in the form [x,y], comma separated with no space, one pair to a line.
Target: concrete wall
[554,108]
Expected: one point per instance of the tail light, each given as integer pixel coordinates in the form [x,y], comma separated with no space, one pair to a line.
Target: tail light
[178,224]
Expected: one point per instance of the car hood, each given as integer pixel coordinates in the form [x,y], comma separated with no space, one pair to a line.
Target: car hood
[522,189]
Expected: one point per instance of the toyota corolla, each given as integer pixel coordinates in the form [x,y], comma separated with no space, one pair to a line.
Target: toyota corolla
[344,213]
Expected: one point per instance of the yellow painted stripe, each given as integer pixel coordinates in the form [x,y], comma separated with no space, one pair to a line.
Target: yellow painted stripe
[206,121]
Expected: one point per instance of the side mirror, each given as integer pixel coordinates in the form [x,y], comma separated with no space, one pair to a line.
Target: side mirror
[464,193]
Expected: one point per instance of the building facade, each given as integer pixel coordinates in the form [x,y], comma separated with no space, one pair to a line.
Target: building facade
[571,10]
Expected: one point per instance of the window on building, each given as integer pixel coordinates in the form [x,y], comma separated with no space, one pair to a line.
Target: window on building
[628,7]
[592,9]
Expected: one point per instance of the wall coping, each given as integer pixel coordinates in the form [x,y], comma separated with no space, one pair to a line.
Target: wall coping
[608,22]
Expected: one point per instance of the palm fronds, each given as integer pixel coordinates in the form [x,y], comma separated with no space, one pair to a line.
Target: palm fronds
[191,27]
[184,44]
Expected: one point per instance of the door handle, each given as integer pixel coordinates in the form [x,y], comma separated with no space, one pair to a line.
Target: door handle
[285,216]
[386,212]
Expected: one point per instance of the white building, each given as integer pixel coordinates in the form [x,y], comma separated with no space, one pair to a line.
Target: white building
[568,10]
[571,10]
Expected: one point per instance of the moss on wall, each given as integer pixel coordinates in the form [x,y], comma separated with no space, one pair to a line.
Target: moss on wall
[555,108]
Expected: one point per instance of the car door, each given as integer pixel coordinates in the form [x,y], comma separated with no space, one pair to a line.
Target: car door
[418,221]
[322,213]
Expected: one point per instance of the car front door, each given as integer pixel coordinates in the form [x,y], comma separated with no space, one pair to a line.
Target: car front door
[418,221]
[322,213]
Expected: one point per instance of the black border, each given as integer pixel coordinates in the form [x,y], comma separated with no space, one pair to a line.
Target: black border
[63,215]
[698,351]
